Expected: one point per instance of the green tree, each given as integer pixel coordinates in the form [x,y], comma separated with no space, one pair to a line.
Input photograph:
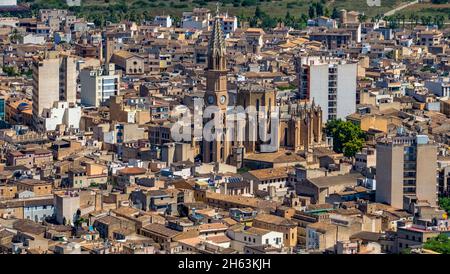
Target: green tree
[439,244]
[15,36]
[258,12]
[311,12]
[347,137]
[243,170]
[288,15]
[438,20]
[444,203]
[414,19]
[426,20]
[335,13]
[248,3]
[362,17]
[327,12]
[253,22]
[403,19]
[351,148]
[406,251]
[319,9]
[10,71]
[268,22]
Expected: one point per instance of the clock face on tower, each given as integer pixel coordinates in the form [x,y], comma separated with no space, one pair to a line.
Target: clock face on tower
[223,99]
[211,99]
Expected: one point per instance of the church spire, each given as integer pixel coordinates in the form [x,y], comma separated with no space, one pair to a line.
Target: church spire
[217,8]
[216,47]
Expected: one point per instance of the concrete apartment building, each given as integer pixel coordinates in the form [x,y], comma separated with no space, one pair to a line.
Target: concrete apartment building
[45,84]
[54,80]
[68,79]
[337,96]
[98,85]
[406,168]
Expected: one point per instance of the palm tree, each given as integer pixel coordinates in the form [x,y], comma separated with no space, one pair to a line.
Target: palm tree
[414,18]
[423,19]
[403,18]
[362,18]
[438,20]
[397,19]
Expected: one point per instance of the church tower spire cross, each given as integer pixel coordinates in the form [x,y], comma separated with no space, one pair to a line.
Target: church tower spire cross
[216,47]
[217,8]
[216,94]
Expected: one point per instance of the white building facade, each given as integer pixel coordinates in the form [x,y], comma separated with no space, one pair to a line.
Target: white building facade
[61,114]
[98,85]
[331,83]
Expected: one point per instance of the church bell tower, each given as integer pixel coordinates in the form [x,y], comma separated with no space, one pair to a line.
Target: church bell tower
[216,94]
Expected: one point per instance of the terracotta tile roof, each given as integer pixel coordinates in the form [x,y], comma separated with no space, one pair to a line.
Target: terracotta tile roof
[132,171]
[124,54]
[161,230]
[212,227]
[270,173]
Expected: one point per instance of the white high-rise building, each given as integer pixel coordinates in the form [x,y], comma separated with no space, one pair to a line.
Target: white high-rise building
[98,85]
[330,82]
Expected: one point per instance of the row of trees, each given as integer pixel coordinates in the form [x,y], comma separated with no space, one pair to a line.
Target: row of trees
[262,19]
[140,10]
[398,20]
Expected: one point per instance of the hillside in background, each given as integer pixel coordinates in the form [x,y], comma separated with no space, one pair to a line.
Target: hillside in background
[277,8]
[298,11]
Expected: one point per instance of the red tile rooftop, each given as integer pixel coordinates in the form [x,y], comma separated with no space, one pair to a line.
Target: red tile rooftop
[132,171]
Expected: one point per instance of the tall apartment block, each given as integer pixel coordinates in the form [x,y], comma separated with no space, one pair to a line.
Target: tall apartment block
[68,79]
[406,171]
[330,82]
[54,79]
[98,85]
